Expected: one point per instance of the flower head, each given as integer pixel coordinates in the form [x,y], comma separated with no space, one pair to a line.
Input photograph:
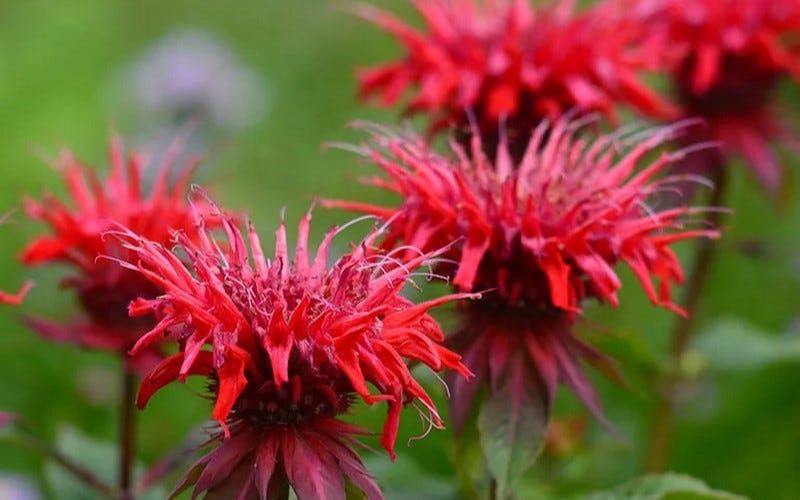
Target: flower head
[502,59]
[544,234]
[78,239]
[288,344]
[726,58]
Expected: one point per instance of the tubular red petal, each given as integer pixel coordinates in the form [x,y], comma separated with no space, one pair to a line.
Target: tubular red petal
[167,371]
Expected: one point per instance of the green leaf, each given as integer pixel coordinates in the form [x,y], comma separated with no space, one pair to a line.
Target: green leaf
[99,457]
[513,423]
[734,345]
[471,467]
[352,491]
[667,486]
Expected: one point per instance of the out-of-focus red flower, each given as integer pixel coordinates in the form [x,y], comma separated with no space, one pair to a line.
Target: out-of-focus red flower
[505,59]
[544,234]
[288,344]
[7,418]
[77,238]
[726,58]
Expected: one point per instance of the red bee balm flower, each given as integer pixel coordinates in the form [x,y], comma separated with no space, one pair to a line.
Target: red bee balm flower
[727,58]
[503,59]
[104,288]
[543,234]
[292,343]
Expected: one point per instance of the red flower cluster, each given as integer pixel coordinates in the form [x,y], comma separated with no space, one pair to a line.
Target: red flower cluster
[503,59]
[543,233]
[287,346]
[78,239]
[727,58]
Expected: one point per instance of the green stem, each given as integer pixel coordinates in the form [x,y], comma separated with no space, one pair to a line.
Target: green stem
[662,427]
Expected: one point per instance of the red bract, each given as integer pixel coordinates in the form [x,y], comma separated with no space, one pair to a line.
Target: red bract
[726,58]
[288,345]
[15,298]
[543,233]
[78,238]
[505,59]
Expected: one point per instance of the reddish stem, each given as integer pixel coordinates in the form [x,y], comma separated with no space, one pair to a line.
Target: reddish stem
[662,427]
[78,471]
[127,433]
[172,460]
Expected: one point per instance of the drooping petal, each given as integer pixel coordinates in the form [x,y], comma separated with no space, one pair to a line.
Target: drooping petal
[168,371]
[314,473]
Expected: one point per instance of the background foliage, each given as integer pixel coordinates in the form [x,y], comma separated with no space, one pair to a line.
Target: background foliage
[60,66]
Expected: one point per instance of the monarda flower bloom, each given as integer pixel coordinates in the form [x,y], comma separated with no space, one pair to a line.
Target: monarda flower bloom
[505,60]
[543,234]
[288,345]
[78,239]
[727,58]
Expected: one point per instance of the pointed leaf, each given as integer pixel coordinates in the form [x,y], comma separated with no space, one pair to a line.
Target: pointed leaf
[513,423]
[667,486]
[734,345]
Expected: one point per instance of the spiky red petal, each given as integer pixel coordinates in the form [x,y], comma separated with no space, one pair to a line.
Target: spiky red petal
[78,239]
[726,58]
[506,59]
[296,329]
[546,231]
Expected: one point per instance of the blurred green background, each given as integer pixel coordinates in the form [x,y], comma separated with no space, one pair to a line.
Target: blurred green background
[65,81]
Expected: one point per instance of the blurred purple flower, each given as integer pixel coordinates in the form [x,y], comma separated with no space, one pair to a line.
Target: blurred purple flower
[7,418]
[188,74]
[13,487]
